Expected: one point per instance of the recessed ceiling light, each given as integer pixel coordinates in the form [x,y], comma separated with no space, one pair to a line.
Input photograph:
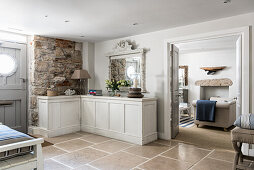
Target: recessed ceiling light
[66,21]
[135,24]
[227,1]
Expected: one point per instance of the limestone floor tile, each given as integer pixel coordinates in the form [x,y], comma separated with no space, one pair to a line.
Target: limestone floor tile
[63,138]
[112,146]
[80,157]
[162,163]
[118,161]
[150,150]
[51,151]
[73,145]
[223,155]
[168,142]
[187,153]
[53,165]
[84,133]
[212,164]
[85,167]
[95,138]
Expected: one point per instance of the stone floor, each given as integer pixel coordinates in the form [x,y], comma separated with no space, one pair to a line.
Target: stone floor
[84,151]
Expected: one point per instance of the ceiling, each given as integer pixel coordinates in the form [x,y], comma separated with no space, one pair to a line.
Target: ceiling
[214,44]
[98,20]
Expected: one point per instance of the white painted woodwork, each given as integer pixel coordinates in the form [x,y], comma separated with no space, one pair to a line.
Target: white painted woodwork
[127,119]
[58,115]
[31,161]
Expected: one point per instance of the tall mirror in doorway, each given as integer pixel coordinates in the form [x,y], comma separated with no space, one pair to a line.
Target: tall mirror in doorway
[126,63]
[183,84]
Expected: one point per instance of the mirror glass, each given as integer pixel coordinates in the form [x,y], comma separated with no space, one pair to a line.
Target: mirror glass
[126,69]
[183,76]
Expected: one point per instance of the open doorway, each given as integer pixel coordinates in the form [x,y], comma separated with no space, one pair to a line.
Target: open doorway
[238,90]
[208,72]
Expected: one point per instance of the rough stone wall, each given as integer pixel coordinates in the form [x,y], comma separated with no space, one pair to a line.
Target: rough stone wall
[118,67]
[53,63]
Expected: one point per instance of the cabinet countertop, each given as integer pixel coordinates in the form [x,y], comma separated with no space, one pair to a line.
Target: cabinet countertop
[95,97]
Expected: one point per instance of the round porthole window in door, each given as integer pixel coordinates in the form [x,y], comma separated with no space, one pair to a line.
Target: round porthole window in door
[8,65]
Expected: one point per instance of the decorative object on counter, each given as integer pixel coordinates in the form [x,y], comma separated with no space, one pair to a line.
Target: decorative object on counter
[51,90]
[69,92]
[135,93]
[212,70]
[113,86]
[52,93]
[82,76]
[124,85]
[95,92]
[135,83]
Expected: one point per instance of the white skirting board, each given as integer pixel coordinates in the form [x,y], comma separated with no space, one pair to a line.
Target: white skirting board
[53,133]
[121,136]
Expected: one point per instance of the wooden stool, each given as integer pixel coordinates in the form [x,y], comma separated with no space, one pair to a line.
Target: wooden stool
[238,137]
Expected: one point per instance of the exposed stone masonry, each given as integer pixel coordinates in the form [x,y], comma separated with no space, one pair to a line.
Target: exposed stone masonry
[52,64]
[214,82]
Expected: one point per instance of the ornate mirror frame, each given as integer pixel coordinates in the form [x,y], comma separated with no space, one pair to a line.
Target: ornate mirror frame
[124,49]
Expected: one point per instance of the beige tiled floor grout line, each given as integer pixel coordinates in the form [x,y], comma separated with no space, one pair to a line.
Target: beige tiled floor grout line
[220,160]
[109,153]
[201,159]
[155,156]
[61,163]
[124,150]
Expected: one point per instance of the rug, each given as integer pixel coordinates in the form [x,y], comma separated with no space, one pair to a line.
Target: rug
[45,143]
[186,122]
[206,137]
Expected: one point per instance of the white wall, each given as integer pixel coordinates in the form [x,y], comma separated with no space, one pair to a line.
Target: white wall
[155,56]
[196,60]
[88,61]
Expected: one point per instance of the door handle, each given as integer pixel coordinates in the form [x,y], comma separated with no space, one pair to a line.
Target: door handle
[5,103]
[23,80]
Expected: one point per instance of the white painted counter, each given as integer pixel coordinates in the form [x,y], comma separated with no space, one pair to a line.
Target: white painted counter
[128,119]
[58,115]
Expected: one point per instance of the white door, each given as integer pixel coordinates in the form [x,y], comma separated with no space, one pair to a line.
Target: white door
[174,90]
[13,112]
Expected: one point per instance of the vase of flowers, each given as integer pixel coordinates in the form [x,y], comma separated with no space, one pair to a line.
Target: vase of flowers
[113,86]
[124,85]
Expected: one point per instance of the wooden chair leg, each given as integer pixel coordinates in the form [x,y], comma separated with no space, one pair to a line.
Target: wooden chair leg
[197,125]
[238,152]
[236,161]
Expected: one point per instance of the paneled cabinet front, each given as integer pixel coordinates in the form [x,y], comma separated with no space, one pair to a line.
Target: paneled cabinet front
[58,116]
[120,119]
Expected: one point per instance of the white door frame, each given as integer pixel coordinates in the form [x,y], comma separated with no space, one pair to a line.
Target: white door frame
[243,32]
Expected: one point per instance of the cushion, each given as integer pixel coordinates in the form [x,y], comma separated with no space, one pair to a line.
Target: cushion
[242,135]
[245,121]
[9,136]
